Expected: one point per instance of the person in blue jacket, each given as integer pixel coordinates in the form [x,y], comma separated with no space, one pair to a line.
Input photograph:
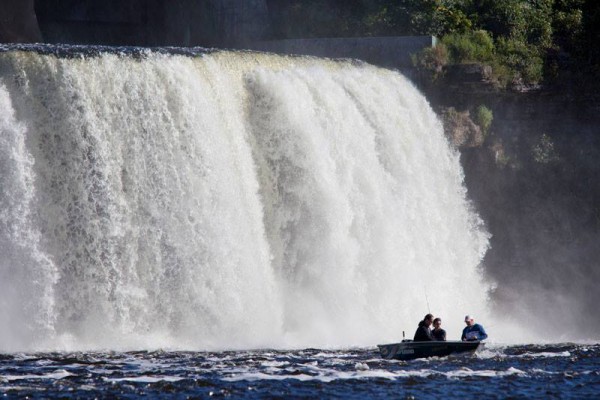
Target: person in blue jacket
[473,331]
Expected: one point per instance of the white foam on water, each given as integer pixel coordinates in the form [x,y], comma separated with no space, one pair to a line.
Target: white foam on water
[466,372]
[58,374]
[544,355]
[226,201]
[329,375]
[490,352]
[325,376]
[274,364]
[146,379]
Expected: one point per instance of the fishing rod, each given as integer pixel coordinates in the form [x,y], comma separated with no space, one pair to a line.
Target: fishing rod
[426,298]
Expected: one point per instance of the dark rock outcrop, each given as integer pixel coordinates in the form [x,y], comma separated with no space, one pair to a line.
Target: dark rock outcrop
[460,128]
[533,180]
[391,52]
[205,23]
[18,23]
[241,21]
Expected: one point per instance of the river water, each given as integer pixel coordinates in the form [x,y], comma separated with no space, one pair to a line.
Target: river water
[517,371]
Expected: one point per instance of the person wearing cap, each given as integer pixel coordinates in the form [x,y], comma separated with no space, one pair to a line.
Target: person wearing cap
[423,333]
[473,331]
[437,332]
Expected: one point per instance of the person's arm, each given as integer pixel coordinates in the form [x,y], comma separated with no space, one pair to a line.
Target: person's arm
[430,335]
[464,335]
[416,336]
[443,335]
[482,334]
[420,335]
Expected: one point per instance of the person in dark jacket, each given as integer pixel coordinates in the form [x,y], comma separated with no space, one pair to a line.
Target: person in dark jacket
[473,331]
[438,333]
[423,333]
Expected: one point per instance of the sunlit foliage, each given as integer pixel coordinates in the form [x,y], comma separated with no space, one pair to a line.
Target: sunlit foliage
[524,40]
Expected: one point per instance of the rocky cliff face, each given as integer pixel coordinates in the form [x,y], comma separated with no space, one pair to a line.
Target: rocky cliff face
[241,21]
[206,23]
[18,23]
[534,180]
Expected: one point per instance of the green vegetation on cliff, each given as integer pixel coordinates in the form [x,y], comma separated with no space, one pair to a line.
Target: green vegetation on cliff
[525,41]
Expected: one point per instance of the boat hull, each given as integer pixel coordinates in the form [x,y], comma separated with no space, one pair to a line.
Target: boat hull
[410,350]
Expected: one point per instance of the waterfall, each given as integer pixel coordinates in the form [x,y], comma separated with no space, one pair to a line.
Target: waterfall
[225,200]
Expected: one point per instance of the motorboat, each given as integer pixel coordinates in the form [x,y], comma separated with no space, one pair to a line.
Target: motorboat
[410,350]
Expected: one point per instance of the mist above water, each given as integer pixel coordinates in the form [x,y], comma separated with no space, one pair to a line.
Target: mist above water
[226,200]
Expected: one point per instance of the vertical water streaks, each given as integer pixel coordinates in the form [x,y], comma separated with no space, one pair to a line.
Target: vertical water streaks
[27,276]
[147,207]
[231,200]
[364,204]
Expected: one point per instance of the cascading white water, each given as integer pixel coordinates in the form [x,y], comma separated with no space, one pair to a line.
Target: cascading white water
[229,200]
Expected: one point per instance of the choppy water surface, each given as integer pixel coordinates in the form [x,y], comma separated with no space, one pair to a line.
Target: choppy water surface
[533,371]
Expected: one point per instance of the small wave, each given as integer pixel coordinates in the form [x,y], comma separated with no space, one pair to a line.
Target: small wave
[543,355]
[499,354]
[488,373]
[274,364]
[145,379]
[58,374]
[326,375]
[361,366]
